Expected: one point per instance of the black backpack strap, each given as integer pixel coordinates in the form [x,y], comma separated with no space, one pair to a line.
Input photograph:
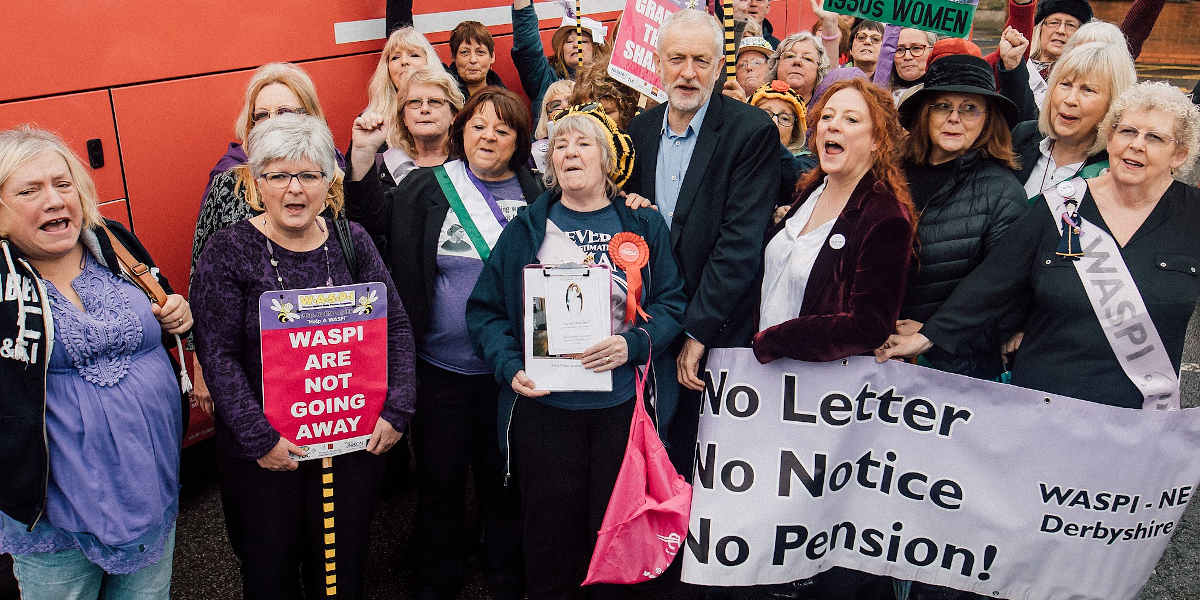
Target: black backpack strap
[342,226]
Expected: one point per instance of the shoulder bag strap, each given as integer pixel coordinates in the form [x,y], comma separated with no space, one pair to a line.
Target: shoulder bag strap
[464,217]
[136,269]
[341,226]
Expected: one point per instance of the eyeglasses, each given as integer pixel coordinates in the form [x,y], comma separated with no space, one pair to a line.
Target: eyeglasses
[867,38]
[281,181]
[914,51]
[1154,140]
[1054,24]
[966,112]
[263,115]
[784,119]
[417,103]
[751,63]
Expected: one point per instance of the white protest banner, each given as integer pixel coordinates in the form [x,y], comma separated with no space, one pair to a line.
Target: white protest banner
[632,61]
[901,470]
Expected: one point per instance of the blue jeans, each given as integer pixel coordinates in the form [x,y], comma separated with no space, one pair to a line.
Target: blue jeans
[68,575]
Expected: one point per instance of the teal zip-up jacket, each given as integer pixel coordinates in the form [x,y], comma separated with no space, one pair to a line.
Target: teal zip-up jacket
[529,56]
[495,309]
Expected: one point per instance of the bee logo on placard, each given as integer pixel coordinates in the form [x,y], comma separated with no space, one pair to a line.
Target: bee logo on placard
[366,303]
[284,311]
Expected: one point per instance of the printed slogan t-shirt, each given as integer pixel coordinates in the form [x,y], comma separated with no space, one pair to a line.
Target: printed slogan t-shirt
[446,343]
[590,232]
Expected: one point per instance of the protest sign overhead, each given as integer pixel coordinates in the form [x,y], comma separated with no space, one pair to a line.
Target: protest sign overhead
[917,474]
[632,61]
[943,17]
[324,355]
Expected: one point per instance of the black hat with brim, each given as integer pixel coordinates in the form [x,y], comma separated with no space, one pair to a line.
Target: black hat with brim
[957,74]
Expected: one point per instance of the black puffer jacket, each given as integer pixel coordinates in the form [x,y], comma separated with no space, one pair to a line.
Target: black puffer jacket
[958,226]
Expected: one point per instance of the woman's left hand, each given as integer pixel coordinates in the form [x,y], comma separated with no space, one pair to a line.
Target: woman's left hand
[383,438]
[175,314]
[636,201]
[606,355]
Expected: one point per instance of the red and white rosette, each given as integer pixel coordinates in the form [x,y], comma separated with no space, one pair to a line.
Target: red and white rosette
[630,253]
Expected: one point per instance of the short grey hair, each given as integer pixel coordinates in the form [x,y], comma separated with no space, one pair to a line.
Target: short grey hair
[690,17]
[792,40]
[291,137]
[1096,31]
[1160,96]
[590,127]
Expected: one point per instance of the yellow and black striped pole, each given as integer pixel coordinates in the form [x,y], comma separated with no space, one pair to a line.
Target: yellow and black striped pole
[730,44]
[578,36]
[330,540]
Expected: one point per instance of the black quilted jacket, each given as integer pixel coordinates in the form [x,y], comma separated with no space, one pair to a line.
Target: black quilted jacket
[958,226]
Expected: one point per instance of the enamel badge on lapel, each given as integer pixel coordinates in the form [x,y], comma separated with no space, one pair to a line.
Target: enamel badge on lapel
[837,241]
[1068,244]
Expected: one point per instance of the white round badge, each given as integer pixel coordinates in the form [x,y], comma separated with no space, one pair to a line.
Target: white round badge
[1066,189]
[837,241]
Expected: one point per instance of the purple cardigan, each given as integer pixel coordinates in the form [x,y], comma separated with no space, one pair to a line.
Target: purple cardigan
[233,271]
[855,291]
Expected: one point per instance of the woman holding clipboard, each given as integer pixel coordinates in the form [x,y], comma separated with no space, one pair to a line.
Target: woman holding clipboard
[566,447]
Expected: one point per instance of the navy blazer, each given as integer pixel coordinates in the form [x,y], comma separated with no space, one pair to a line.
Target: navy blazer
[854,292]
[724,207]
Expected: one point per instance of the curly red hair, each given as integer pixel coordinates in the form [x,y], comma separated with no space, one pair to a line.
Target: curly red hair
[887,133]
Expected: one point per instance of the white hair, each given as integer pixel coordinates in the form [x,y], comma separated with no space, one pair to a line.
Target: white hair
[292,137]
[1164,97]
[692,18]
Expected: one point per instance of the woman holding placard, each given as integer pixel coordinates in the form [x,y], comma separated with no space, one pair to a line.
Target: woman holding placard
[90,416]
[566,447]
[1116,340]
[440,226]
[272,503]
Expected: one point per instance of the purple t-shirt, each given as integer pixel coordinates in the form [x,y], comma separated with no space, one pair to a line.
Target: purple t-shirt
[446,343]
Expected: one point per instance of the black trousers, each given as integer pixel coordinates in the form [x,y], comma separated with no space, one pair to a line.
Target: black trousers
[275,521]
[455,430]
[566,464]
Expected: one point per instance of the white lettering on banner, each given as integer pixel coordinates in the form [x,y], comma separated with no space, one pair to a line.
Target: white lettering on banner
[327,428]
[908,472]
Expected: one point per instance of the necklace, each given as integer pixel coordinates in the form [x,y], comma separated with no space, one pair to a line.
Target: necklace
[275,261]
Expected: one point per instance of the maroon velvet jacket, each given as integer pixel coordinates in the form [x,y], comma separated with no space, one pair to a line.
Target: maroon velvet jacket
[854,293]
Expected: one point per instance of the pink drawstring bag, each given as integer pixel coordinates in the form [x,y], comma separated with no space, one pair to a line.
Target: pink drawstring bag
[647,516]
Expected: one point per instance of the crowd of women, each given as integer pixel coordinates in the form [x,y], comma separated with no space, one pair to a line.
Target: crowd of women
[929,208]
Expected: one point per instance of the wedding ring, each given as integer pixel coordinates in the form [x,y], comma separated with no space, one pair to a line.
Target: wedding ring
[608,359]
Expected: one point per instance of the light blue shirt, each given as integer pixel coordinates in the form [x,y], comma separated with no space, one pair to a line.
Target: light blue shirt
[674,156]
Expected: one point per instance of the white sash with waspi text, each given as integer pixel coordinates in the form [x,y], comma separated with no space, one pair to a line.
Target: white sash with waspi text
[1118,305]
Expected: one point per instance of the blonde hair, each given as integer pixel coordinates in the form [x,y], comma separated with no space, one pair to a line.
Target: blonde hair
[398,134]
[1097,31]
[589,126]
[381,92]
[1109,64]
[291,137]
[1161,96]
[562,87]
[21,144]
[286,74]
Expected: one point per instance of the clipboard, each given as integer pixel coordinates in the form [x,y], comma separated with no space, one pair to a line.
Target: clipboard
[567,308]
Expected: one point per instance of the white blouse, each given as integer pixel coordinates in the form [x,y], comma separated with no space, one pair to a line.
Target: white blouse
[788,262]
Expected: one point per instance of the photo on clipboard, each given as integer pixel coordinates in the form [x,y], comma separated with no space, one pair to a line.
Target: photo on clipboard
[567,310]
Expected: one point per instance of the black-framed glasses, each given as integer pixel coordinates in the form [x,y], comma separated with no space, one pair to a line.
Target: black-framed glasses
[966,112]
[280,180]
[263,115]
[914,51]
[784,119]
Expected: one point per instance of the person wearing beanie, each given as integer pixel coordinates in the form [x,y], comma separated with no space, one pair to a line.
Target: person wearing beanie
[786,109]
[1029,19]
[565,447]
[752,57]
